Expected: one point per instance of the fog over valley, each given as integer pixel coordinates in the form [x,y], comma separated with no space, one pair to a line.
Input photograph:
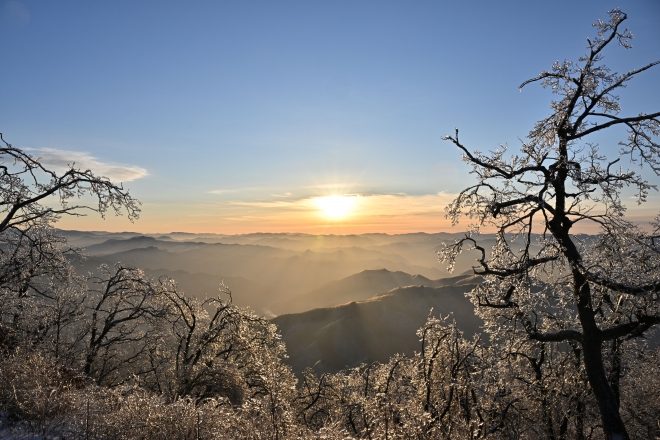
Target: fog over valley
[332,296]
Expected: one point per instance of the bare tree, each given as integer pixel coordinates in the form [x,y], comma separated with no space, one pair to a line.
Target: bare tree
[543,282]
[124,312]
[33,263]
[203,351]
[449,366]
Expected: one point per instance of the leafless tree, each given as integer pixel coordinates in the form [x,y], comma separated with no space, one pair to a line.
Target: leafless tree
[34,269]
[543,282]
[124,311]
[213,349]
[449,366]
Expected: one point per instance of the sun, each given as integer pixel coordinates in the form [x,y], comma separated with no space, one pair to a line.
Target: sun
[336,206]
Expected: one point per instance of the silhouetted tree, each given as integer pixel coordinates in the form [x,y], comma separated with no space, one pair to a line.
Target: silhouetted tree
[595,292]
[124,312]
[34,270]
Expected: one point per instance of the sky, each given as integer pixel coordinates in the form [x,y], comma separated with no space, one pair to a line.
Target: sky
[238,117]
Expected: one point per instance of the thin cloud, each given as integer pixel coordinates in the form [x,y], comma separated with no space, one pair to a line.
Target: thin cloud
[223,191]
[375,204]
[63,159]
[331,185]
[238,190]
[293,205]
[388,212]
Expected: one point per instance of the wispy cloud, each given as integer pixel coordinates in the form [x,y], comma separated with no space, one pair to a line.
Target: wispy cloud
[248,190]
[333,186]
[63,159]
[223,191]
[384,212]
[370,212]
[280,205]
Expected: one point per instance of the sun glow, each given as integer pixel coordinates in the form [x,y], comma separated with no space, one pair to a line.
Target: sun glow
[336,206]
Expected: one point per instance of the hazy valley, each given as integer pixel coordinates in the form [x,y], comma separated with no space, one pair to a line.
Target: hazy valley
[338,301]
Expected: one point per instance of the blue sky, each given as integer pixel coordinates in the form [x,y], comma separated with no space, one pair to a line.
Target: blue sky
[231,116]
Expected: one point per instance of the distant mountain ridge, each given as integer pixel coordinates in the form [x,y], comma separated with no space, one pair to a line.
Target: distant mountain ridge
[343,300]
[334,338]
[287,273]
[280,273]
[358,287]
[114,245]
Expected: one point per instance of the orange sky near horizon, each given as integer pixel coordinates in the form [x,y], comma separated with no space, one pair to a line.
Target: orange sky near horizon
[383,213]
[369,214]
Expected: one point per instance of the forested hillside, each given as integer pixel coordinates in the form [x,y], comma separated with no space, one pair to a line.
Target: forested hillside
[373,330]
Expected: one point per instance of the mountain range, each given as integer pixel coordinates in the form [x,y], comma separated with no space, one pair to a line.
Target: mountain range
[338,301]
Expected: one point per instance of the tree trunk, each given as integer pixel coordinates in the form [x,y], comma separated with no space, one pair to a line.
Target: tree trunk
[560,226]
[613,426]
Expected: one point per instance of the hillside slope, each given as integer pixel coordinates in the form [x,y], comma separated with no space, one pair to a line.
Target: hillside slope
[358,287]
[344,336]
